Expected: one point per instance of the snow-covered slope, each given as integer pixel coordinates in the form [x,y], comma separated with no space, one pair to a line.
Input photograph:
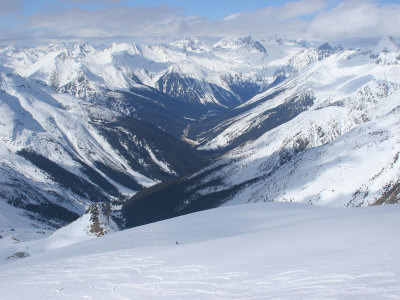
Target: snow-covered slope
[21,238]
[349,78]
[253,251]
[339,147]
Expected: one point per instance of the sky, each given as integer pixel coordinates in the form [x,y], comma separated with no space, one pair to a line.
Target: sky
[41,21]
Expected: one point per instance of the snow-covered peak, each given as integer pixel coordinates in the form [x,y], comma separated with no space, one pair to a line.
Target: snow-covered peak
[240,43]
[386,44]
[192,44]
[129,48]
[302,138]
[81,50]
[386,52]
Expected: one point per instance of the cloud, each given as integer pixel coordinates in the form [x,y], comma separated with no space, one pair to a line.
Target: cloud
[109,22]
[231,17]
[317,19]
[301,8]
[260,21]
[357,19]
[9,7]
[308,19]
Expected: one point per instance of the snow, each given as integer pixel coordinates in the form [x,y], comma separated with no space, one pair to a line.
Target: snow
[15,228]
[71,234]
[253,251]
[20,235]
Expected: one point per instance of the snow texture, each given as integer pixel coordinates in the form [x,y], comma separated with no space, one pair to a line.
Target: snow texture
[253,251]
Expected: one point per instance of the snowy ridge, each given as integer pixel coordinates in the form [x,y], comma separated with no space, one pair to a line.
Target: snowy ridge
[86,71]
[63,103]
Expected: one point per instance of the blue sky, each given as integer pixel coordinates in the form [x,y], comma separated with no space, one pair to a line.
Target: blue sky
[44,20]
[213,9]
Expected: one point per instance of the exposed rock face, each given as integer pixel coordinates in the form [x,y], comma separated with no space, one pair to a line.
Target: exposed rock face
[101,222]
[18,255]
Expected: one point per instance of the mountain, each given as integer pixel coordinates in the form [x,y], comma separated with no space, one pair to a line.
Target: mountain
[283,250]
[327,135]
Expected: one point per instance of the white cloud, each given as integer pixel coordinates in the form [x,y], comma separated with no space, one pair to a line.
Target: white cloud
[232,17]
[301,8]
[116,21]
[357,19]
[315,19]
[308,19]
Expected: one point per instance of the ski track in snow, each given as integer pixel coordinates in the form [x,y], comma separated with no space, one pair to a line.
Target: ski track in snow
[122,276]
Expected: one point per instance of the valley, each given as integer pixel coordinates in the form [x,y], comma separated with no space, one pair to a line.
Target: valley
[160,131]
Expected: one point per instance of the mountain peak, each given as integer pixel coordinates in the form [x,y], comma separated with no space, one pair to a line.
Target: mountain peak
[325,46]
[192,44]
[386,44]
[130,48]
[241,42]
[81,49]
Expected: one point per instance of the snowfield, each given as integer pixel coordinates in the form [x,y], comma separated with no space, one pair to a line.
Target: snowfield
[251,251]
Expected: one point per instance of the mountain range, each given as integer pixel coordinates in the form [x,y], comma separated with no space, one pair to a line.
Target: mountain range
[162,130]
